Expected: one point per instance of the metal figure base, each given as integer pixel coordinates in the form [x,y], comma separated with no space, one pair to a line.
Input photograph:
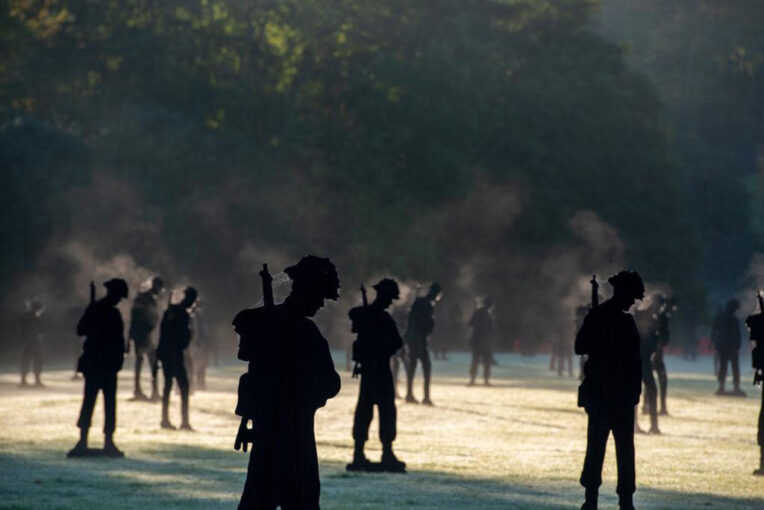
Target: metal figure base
[376,467]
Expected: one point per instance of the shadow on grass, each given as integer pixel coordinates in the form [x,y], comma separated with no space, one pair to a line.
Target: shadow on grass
[172,476]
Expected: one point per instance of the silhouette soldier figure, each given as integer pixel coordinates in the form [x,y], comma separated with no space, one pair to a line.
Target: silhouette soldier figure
[31,337]
[663,319]
[726,337]
[755,324]
[420,325]
[200,347]
[143,319]
[174,338]
[647,325]
[611,386]
[378,339]
[290,375]
[102,356]
[481,340]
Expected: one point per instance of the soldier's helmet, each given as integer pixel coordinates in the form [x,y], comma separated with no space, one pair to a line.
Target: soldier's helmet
[387,288]
[629,282]
[434,290]
[157,283]
[190,294]
[316,272]
[116,286]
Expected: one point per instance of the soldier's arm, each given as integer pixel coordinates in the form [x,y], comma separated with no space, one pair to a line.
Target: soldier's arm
[83,326]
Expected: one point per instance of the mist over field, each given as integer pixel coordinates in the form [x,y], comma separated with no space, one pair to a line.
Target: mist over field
[510,148]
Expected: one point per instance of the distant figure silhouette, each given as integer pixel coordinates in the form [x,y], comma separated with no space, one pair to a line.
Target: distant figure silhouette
[481,340]
[647,325]
[755,324]
[174,338]
[378,340]
[143,319]
[581,312]
[201,347]
[726,338]
[668,307]
[102,356]
[31,337]
[290,376]
[611,386]
[420,326]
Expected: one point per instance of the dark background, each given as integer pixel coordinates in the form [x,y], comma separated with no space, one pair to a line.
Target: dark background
[503,147]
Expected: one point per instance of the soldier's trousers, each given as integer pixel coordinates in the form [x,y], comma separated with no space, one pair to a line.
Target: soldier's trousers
[484,358]
[660,368]
[424,357]
[732,358]
[598,431]
[31,354]
[180,375]
[651,391]
[150,352]
[364,413]
[107,383]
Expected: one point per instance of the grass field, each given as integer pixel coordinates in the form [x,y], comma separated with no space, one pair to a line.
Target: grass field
[516,445]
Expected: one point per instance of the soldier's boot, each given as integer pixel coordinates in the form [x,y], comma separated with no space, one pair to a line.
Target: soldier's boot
[654,430]
[626,502]
[154,392]
[185,424]
[737,391]
[410,399]
[166,419]
[390,462]
[38,380]
[426,400]
[720,390]
[109,448]
[590,503]
[664,410]
[760,471]
[81,448]
[360,462]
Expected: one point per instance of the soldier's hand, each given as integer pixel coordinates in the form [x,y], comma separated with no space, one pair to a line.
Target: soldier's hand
[244,436]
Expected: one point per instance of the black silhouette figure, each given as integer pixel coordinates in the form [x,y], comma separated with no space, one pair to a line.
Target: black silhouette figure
[378,340]
[290,376]
[725,335]
[419,328]
[481,340]
[144,317]
[174,338]
[667,308]
[400,316]
[649,331]
[101,359]
[201,347]
[31,337]
[755,324]
[581,312]
[611,386]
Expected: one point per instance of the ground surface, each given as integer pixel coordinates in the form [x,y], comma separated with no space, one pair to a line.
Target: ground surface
[516,445]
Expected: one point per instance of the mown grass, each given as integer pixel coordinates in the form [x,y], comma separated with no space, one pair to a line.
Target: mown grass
[518,444]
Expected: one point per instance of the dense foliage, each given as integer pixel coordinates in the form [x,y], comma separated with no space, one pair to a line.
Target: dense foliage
[413,137]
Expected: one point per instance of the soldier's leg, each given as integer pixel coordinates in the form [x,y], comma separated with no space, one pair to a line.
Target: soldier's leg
[86,411]
[166,398]
[487,357]
[109,388]
[183,384]
[388,416]
[410,372]
[662,383]
[474,365]
[623,434]
[25,360]
[760,438]
[154,365]
[37,362]
[364,412]
[722,372]
[139,351]
[591,475]
[427,371]
[735,362]
[651,394]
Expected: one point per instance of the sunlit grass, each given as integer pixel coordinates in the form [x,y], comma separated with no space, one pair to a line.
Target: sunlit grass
[518,444]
